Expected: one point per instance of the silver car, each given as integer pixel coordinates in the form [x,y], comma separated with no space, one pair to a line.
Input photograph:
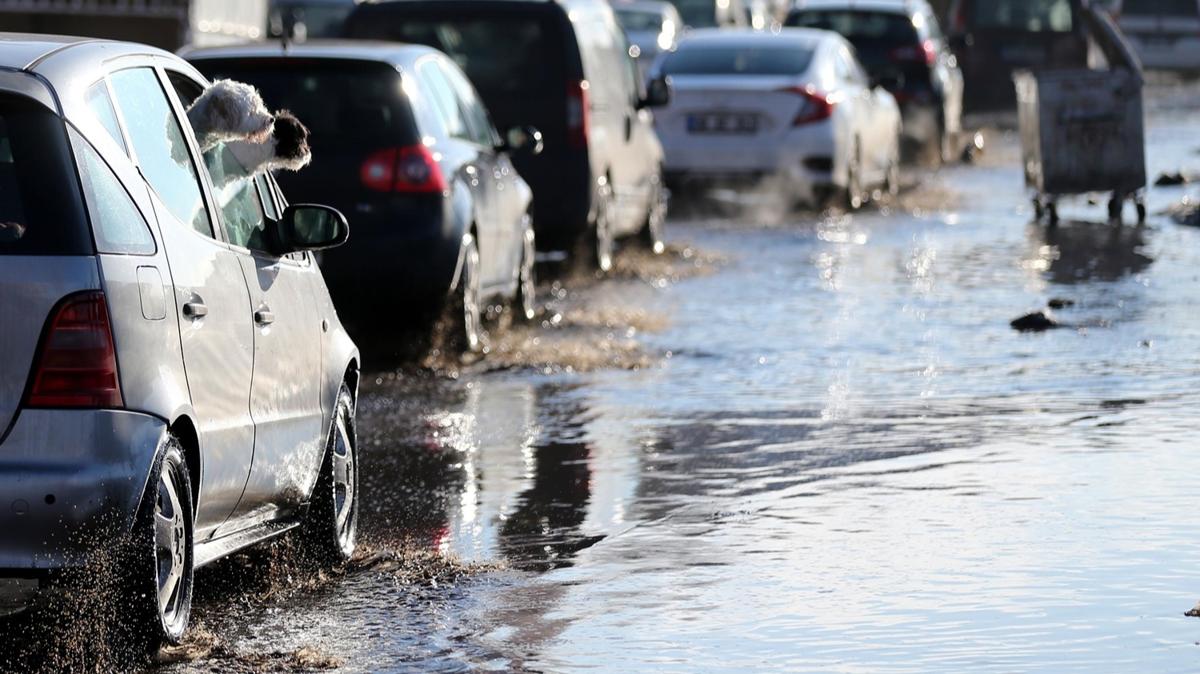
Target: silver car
[174,382]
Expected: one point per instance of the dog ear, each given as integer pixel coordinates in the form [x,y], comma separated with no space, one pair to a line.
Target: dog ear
[291,136]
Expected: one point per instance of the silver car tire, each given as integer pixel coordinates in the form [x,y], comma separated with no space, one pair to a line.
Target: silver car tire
[159,577]
[330,532]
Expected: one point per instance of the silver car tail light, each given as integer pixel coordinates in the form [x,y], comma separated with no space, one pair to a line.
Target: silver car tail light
[77,363]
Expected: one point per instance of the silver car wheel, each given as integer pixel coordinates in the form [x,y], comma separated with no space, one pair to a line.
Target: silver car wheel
[345,476]
[170,548]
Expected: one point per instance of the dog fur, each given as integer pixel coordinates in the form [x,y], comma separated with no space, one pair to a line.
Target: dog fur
[230,111]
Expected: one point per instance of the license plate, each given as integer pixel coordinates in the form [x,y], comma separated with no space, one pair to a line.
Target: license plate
[723,122]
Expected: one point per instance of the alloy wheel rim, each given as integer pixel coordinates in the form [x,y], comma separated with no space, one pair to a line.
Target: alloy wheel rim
[344,478]
[170,547]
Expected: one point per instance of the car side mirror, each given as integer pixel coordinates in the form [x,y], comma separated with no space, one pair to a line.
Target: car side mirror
[311,227]
[658,93]
[522,139]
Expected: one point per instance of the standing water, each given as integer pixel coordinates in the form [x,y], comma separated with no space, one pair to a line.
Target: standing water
[827,452]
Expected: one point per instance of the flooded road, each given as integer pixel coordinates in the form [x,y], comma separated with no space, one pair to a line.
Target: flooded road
[807,446]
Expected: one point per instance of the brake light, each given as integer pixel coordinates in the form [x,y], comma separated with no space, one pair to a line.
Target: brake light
[925,53]
[77,366]
[411,169]
[816,106]
[578,114]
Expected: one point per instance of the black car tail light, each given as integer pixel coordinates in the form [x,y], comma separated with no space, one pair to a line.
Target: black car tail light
[412,169]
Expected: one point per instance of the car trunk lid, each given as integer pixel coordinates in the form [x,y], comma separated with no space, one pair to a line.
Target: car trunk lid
[733,106]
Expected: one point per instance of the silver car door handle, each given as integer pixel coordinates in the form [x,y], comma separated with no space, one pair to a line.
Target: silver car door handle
[195,310]
[264,317]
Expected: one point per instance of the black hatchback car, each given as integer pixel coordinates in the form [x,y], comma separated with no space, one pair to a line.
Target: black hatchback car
[562,66]
[403,146]
[902,47]
[995,38]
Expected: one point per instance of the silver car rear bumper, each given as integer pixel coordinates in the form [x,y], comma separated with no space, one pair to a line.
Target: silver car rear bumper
[70,480]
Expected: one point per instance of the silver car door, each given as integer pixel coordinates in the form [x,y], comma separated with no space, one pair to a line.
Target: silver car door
[211,300]
[285,400]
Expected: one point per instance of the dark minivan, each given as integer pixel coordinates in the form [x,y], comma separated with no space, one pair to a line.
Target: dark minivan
[563,67]
[994,38]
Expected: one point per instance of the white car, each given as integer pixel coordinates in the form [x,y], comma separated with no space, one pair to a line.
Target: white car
[792,104]
[1165,33]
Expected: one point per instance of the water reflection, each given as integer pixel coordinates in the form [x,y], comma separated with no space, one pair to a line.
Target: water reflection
[1078,252]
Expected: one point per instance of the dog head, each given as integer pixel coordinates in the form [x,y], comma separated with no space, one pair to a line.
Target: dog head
[291,142]
[228,111]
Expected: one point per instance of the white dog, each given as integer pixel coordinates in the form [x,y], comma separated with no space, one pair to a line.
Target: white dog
[233,114]
[229,111]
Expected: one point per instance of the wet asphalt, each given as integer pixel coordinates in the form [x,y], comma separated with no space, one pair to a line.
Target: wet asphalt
[797,442]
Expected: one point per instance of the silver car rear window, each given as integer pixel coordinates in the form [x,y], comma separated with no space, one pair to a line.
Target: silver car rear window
[41,212]
[786,59]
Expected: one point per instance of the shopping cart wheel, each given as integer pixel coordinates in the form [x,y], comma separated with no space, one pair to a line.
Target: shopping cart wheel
[1052,213]
[1141,212]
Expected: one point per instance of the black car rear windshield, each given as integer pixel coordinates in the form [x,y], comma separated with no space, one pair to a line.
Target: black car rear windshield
[501,52]
[1031,16]
[1189,8]
[338,100]
[41,212]
[862,29]
[788,59]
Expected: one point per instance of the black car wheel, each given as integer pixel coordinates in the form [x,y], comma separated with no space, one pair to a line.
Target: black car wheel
[651,234]
[525,302]
[158,585]
[330,530]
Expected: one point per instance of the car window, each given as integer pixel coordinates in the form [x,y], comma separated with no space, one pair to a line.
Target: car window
[441,95]
[236,194]
[477,117]
[503,52]
[158,141]
[640,20]
[1034,16]
[117,223]
[786,59]
[234,189]
[100,103]
[41,212]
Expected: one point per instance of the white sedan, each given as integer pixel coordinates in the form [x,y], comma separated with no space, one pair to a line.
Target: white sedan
[792,104]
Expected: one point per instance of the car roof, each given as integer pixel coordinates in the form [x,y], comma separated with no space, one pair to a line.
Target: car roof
[393,53]
[715,37]
[21,51]
[889,6]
